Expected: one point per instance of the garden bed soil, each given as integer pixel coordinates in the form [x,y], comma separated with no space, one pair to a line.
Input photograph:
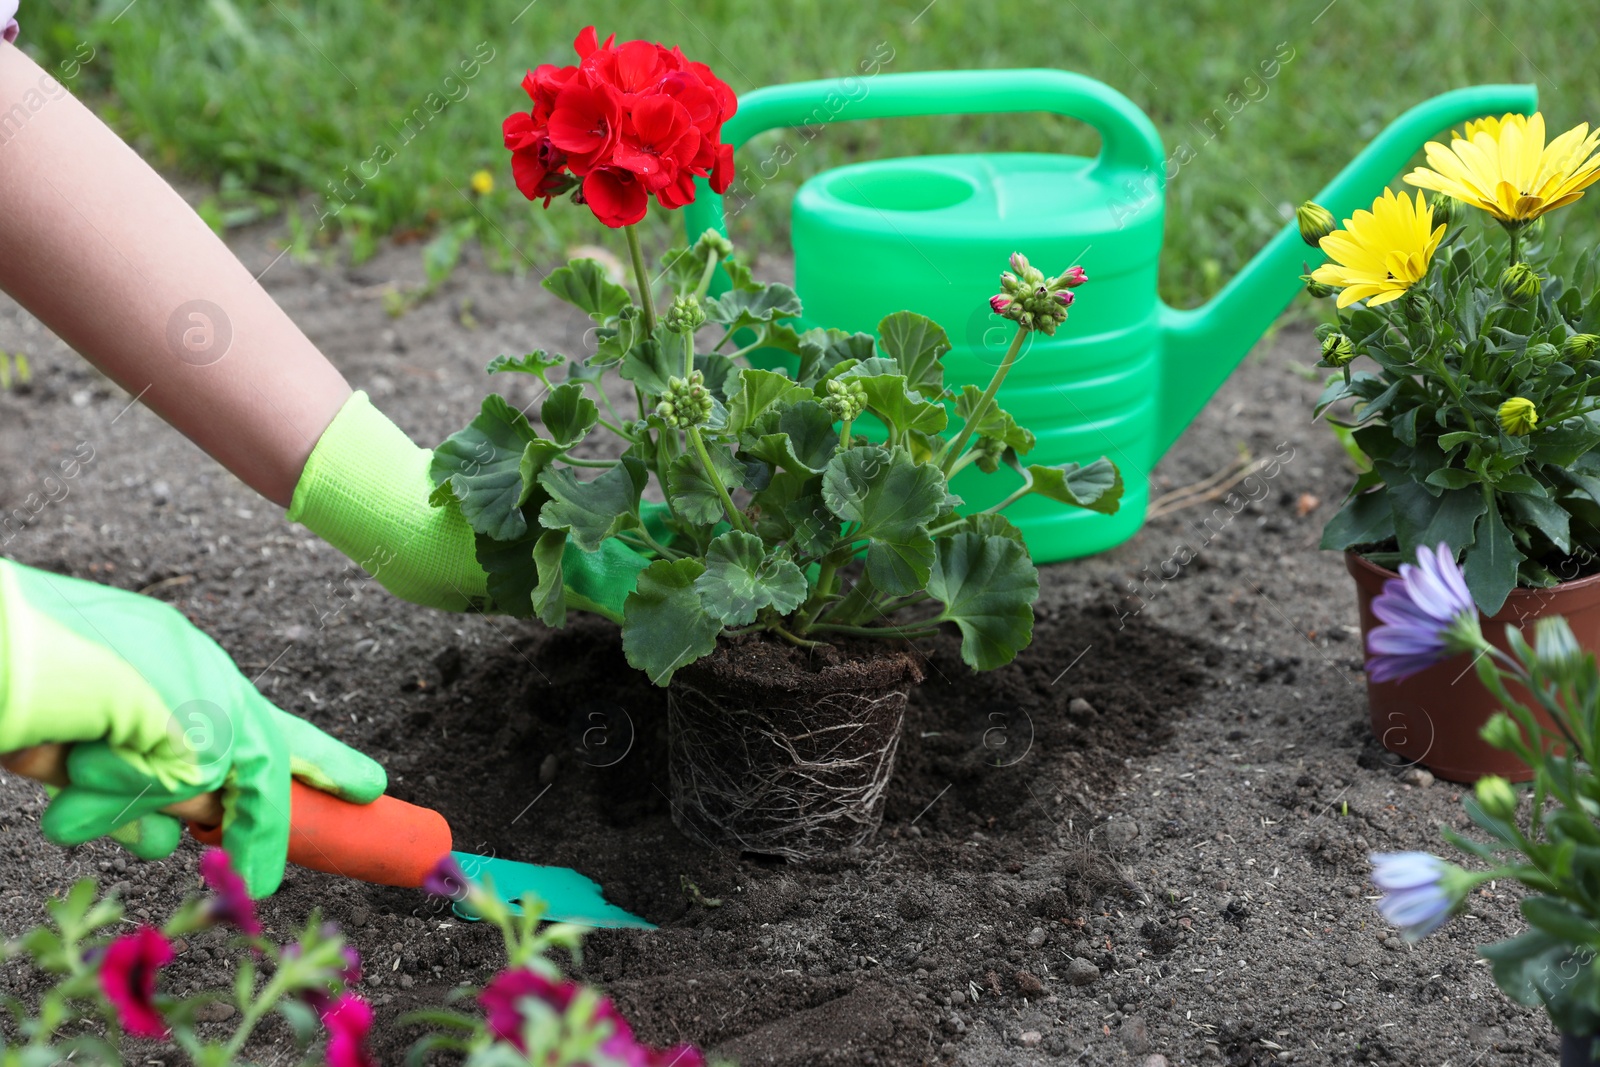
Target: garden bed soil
[1144,839]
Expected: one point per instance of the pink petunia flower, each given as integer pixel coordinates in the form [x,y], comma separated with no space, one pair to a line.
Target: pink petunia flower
[128,979]
[231,905]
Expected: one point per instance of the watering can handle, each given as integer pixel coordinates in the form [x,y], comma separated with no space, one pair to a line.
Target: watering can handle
[1128,139]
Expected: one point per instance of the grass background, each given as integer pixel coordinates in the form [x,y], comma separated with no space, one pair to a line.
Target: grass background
[271,102]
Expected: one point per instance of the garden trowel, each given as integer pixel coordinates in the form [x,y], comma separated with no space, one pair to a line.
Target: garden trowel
[387,842]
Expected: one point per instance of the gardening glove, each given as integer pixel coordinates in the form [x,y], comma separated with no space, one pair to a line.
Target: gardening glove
[365,491]
[156,712]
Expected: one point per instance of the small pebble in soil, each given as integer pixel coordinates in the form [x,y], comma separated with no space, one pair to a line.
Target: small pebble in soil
[1031,1038]
[1082,972]
[1028,984]
[1417,776]
[1155,1060]
[547,769]
[214,1012]
[1036,936]
[1135,1035]
[1079,706]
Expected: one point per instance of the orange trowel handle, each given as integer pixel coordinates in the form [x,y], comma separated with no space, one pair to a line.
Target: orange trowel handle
[387,842]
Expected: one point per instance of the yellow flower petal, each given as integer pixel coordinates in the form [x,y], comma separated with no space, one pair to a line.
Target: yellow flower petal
[1506,167]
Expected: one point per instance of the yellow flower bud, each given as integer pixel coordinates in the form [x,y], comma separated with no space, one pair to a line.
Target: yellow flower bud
[1496,796]
[1315,222]
[482,182]
[1518,417]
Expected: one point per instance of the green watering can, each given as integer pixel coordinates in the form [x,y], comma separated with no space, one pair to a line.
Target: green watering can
[1126,373]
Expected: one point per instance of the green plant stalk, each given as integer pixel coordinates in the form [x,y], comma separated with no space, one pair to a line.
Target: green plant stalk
[910,632]
[952,451]
[734,515]
[688,354]
[844,433]
[706,275]
[641,277]
[253,1013]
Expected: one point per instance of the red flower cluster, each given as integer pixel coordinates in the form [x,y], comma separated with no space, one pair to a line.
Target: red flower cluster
[628,122]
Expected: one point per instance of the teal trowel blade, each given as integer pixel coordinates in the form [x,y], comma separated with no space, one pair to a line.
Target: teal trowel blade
[572,898]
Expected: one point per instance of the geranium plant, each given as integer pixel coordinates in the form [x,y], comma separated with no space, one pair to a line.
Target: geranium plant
[803,475]
[1479,419]
[1545,836]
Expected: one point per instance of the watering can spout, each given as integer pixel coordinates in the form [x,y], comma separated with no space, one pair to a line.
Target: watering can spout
[1200,347]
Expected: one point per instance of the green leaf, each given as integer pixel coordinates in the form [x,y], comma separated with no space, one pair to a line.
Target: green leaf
[1491,563]
[595,510]
[822,350]
[616,338]
[568,413]
[995,423]
[1453,478]
[891,496]
[649,364]
[1364,519]
[483,465]
[510,567]
[549,596]
[759,390]
[991,524]
[900,568]
[987,586]
[900,408]
[694,498]
[537,362]
[1097,487]
[740,309]
[583,283]
[1559,919]
[740,579]
[916,342]
[799,438]
[1549,517]
[665,624]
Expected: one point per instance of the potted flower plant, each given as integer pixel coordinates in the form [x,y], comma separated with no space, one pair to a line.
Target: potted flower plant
[805,531]
[1546,836]
[1476,424]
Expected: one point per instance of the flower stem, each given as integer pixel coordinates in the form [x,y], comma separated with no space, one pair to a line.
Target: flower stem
[641,277]
[734,515]
[705,277]
[952,451]
[878,631]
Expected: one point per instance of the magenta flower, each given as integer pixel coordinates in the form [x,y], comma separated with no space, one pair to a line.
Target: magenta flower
[1065,297]
[1072,278]
[503,999]
[1427,614]
[999,302]
[128,979]
[231,905]
[348,1019]
[447,879]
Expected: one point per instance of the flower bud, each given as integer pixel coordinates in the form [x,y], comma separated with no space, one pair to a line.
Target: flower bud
[1071,278]
[1319,290]
[685,315]
[1315,222]
[1518,417]
[999,302]
[1543,354]
[712,241]
[1019,263]
[1446,209]
[687,402]
[482,182]
[1496,797]
[1033,301]
[1555,645]
[1415,304]
[1501,732]
[846,400]
[1579,347]
[1065,297]
[988,451]
[1337,351]
[1519,284]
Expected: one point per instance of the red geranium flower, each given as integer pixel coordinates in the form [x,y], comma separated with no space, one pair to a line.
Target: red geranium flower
[502,998]
[128,979]
[232,904]
[617,196]
[348,1020]
[629,120]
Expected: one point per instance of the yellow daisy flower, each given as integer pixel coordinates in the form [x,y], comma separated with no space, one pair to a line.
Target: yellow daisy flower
[1381,253]
[1504,167]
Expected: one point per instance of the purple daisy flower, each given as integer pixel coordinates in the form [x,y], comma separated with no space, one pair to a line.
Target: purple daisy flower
[1414,895]
[1427,614]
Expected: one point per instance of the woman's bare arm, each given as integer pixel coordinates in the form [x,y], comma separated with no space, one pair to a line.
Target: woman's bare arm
[104,252]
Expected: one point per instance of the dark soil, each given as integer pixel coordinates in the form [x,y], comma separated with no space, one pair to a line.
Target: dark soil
[1144,839]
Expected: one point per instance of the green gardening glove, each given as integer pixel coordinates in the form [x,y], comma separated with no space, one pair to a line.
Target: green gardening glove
[156,713]
[365,491]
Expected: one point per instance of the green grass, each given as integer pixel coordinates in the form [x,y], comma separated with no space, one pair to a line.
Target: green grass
[279,102]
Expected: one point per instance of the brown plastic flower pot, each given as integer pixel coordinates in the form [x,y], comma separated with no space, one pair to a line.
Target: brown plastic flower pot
[1433,717]
[774,756]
